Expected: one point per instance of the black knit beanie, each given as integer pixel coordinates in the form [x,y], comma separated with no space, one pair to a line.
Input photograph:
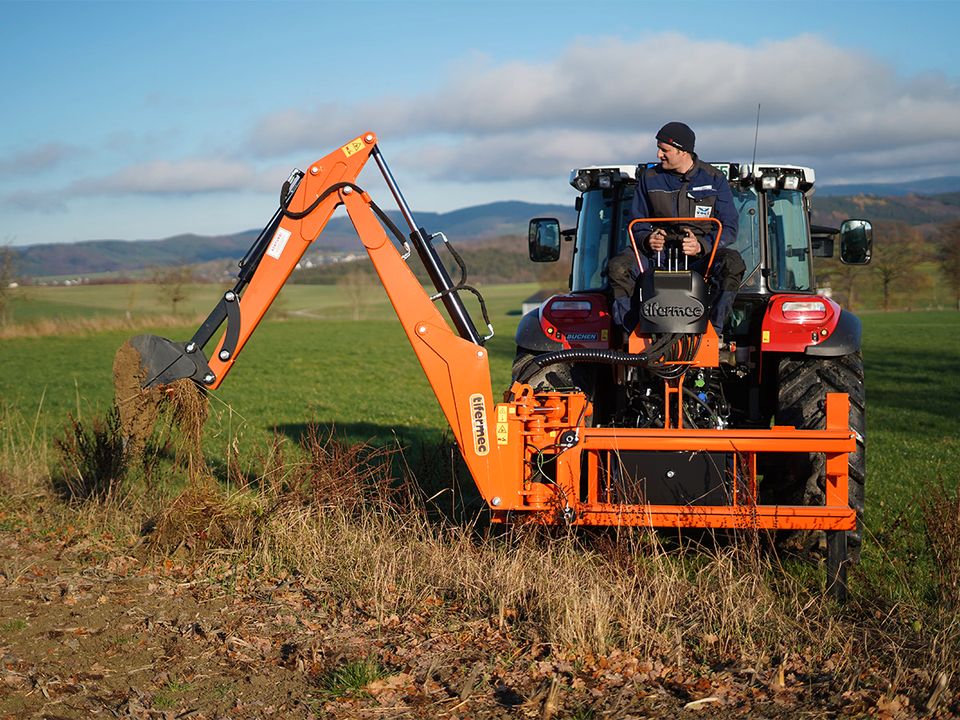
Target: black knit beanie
[678,135]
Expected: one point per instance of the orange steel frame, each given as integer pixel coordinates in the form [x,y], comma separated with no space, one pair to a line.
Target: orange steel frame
[503,442]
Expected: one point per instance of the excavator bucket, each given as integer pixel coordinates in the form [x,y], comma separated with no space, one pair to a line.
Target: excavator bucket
[163,362]
[150,375]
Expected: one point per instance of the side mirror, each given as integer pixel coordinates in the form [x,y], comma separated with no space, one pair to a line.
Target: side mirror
[856,242]
[543,239]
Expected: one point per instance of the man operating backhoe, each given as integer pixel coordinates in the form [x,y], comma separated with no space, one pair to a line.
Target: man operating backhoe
[681,186]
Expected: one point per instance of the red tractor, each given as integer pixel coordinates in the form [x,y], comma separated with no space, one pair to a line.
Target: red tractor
[783,348]
[665,426]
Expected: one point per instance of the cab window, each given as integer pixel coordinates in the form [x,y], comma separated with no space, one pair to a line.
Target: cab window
[788,234]
[593,240]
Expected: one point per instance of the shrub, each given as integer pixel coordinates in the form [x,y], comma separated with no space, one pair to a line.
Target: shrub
[941,519]
[92,461]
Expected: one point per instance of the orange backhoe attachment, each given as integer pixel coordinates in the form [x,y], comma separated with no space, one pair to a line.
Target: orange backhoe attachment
[535,456]
[456,363]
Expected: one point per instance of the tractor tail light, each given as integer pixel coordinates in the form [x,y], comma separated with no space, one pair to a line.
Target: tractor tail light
[572,309]
[804,310]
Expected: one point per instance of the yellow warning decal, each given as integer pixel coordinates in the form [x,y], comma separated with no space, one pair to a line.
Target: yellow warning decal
[503,432]
[766,336]
[604,335]
[478,419]
[353,147]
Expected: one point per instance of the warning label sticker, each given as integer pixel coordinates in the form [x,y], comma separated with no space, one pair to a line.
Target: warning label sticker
[279,242]
[503,432]
[353,147]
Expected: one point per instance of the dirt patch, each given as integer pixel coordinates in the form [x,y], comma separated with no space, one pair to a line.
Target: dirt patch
[141,409]
[190,410]
[90,629]
[202,518]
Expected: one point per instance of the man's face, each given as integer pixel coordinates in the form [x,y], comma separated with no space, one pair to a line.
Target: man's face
[671,158]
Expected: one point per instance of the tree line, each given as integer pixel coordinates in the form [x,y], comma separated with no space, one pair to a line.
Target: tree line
[909,269]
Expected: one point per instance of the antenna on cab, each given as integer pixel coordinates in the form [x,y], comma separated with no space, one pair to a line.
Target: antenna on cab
[756,135]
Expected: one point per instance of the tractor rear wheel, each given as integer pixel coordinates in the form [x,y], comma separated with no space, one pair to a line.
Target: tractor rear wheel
[800,478]
[556,376]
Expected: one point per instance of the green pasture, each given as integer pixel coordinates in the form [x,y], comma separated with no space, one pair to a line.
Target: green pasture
[140,300]
[309,362]
[312,363]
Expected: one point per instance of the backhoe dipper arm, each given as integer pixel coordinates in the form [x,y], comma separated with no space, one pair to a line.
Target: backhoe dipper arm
[456,363]
[307,203]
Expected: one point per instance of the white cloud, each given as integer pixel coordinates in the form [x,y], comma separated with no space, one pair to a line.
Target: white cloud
[163,177]
[601,100]
[36,160]
[604,99]
[34,201]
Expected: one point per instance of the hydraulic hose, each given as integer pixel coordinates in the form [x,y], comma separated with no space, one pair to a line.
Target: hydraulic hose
[605,357]
[471,334]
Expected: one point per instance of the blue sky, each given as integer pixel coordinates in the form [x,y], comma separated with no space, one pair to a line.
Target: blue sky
[142,120]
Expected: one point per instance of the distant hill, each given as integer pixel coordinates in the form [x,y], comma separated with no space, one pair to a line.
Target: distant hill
[903,202]
[123,256]
[470,224]
[931,186]
[922,211]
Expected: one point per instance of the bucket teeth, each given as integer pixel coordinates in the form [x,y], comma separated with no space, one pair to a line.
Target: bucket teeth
[164,361]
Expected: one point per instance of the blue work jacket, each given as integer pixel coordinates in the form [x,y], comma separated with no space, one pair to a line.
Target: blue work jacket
[701,192]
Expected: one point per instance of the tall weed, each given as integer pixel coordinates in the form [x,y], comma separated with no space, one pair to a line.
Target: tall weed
[92,459]
[941,519]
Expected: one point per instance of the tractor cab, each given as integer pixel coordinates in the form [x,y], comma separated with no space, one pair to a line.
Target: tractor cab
[775,238]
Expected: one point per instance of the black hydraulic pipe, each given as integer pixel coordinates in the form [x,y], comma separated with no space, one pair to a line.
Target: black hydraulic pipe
[216,317]
[431,260]
[248,266]
[606,357]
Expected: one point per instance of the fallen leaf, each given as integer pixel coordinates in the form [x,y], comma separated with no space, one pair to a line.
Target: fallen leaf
[391,682]
[701,703]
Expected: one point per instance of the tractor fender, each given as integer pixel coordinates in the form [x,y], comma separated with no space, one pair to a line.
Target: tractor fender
[530,334]
[809,324]
[564,322]
[844,339]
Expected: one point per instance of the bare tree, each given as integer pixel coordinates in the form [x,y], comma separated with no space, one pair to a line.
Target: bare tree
[843,281]
[8,263]
[356,285]
[172,284]
[897,252]
[948,257]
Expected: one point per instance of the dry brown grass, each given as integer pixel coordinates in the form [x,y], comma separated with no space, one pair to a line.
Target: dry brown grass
[561,590]
[59,327]
[332,515]
[24,454]
[940,507]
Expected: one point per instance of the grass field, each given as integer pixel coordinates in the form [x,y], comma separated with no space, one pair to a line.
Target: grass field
[305,364]
[309,364]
